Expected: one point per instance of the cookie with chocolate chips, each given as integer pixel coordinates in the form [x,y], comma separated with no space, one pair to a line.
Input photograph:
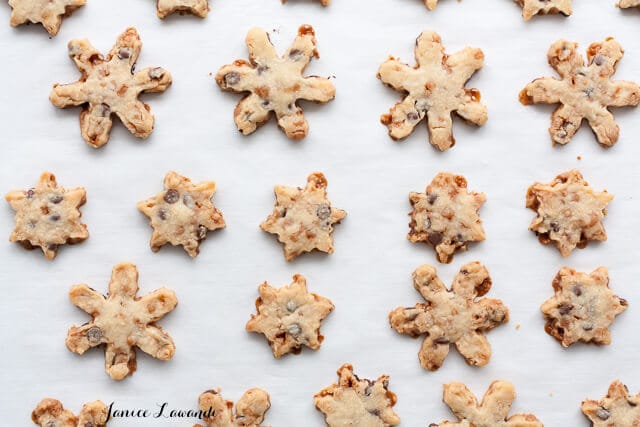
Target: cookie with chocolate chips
[49,13]
[249,412]
[617,409]
[50,413]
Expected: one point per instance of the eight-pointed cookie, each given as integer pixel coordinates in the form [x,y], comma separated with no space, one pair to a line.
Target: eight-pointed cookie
[199,8]
[357,402]
[584,92]
[544,7]
[453,316]
[303,219]
[493,411]
[50,413]
[569,212]
[48,216]
[250,409]
[122,321]
[109,85]
[274,83]
[49,13]
[582,307]
[290,317]
[434,88]
[446,216]
[617,409]
[182,213]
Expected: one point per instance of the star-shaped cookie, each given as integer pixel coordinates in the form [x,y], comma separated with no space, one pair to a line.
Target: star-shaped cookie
[274,83]
[617,409]
[48,216]
[290,317]
[357,402]
[544,7]
[49,13]
[569,212]
[109,86]
[434,88]
[493,411]
[453,316]
[199,8]
[582,307]
[446,216]
[50,413]
[182,213]
[250,409]
[626,4]
[122,321]
[584,92]
[303,219]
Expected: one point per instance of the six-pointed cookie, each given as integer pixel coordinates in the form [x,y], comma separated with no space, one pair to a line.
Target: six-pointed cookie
[544,7]
[199,8]
[250,409]
[122,321]
[109,86]
[48,216]
[617,409]
[50,413]
[357,402]
[49,13]
[582,307]
[274,84]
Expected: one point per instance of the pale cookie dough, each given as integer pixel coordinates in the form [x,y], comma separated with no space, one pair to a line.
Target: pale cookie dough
[453,316]
[48,216]
[303,219]
[50,413]
[357,402]
[434,88]
[569,212]
[544,7]
[108,86]
[182,213]
[199,8]
[493,411]
[582,307]
[290,317]
[250,409]
[583,92]
[122,321]
[446,216]
[274,83]
[322,2]
[617,409]
[49,13]
[626,4]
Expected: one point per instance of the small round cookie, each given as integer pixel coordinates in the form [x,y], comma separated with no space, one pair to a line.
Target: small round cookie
[49,13]
[50,413]
[617,409]
[250,409]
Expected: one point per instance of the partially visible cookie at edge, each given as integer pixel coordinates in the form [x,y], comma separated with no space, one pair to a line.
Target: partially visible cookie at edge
[49,13]
[627,4]
[50,413]
[249,412]
[544,7]
[616,409]
[199,8]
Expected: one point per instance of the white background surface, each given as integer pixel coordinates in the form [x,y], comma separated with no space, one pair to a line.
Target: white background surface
[369,176]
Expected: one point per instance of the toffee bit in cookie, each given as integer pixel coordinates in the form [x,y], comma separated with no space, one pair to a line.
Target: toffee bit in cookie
[584,92]
[199,8]
[122,321]
[453,316]
[49,13]
[569,212]
[617,408]
[434,89]
[108,85]
[290,317]
[50,413]
[182,224]
[357,402]
[274,84]
[582,307]
[303,219]
[544,7]
[446,216]
[250,409]
[48,216]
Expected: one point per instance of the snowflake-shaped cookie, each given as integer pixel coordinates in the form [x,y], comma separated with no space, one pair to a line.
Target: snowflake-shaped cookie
[583,92]
[108,86]
[122,321]
[453,316]
[274,83]
[357,402]
[50,413]
[446,216]
[582,307]
[434,88]
[290,317]
[617,409]
[182,213]
[250,409]
[544,7]
[569,212]
[48,216]
[303,219]
[493,411]
[49,13]
[198,8]
[626,4]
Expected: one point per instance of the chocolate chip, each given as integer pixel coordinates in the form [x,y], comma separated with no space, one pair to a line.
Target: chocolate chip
[202,232]
[124,53]
[55,217]
[171,196]
[375,412]
[323,212]
[30,193]
[232,78]
[156,73]
[603,414]
[56,199]
[431,198]
[294,329]
[265,103]
[435,238]
[187,200]
[261,69]
[554,226]
[577,290]
[105,110]
[291,306]
[162,214]
[441,340]
[412,116]
[588,327]
[94,335]
[367,390]
[295,54]
[565,308]
[599,60]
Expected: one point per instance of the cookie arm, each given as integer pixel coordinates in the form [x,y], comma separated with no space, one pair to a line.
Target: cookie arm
[472,280]
[426,281]
[95,124]
[93,414]
[524,420]
[565,122]
[466,62]
[137,118]
[88,300]
[126,49]
[68,95]
[156,304]
[82,338]
[235,77]
[433,351]
[261,50]
[119,361]
[152,80]
[251,407]
[498,399]
[475,348]
[250,113]
[394,73]
[460,400]
[82,53]
[545,90]
[302,49]
[124,280]
[317,89]
[604,126]
[156,343]
[211,402]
